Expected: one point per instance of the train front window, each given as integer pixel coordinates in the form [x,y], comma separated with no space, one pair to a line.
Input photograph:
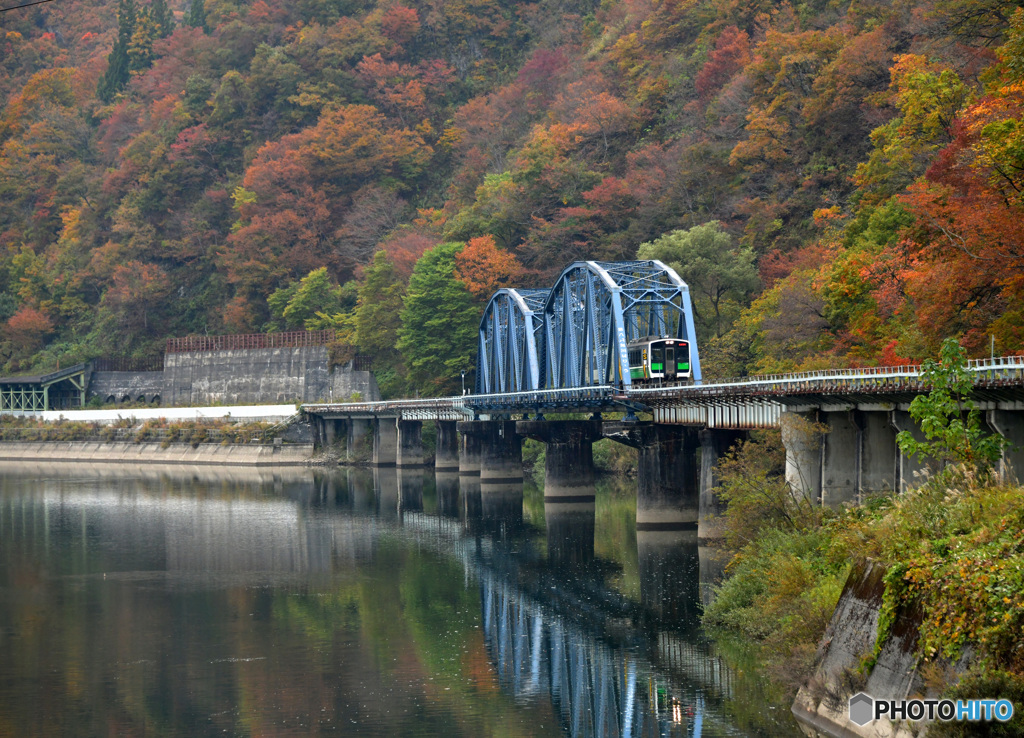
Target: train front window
[657,358]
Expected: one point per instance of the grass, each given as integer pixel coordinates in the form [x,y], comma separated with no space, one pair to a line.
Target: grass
[953,547]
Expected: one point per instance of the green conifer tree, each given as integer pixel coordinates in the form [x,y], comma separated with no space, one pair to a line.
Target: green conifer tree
[163,19]
[197,15]
[140,48]
[118,64]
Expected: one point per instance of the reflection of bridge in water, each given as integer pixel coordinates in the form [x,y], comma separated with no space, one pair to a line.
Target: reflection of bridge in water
[609,677]
[610,666]
[598,689]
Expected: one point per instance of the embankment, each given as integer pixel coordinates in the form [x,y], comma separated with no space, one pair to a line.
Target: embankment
[823,704]
[248,454]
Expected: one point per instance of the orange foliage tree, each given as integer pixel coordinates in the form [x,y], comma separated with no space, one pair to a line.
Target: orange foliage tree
[484,268]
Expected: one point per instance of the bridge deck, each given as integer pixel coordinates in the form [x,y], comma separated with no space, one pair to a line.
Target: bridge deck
[754,401]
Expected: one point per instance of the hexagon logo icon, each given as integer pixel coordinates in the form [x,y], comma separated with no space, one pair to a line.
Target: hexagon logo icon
[862,709]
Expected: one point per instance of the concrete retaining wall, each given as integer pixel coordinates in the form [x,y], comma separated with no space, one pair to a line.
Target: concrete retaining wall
[822,705]
[175,453]
[133,385]
[239,377]
[348,383]
[260,376]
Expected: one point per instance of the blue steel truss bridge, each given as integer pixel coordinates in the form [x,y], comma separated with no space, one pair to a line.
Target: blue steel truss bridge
[620,337]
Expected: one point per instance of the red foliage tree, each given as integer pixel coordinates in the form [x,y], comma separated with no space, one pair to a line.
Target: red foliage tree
[28,329]
[730,55]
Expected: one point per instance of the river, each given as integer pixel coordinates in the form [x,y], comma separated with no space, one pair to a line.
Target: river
[172,601]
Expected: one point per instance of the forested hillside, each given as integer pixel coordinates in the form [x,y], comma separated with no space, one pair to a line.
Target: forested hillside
[839,182]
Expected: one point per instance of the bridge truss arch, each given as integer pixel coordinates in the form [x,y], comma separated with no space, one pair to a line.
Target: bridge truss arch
[509,359]
[596,308]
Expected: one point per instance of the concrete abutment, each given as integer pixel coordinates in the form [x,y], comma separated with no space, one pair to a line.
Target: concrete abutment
[1010,425]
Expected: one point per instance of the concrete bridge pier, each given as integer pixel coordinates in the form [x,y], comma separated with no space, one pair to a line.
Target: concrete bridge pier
[569,465]
[910,471]
[446,457]
[668,495]
[385,442]
[329,429]
[356,430]
[499,449]
[714,444]
[323,431]
[877,447]
[840,458]
[469,455]
[1010,425]
[803,453]
[409,446]
[499,457]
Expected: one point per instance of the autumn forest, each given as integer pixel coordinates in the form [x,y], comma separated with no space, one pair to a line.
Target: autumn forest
[838,181]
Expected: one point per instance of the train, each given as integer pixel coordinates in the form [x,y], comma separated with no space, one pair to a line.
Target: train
[655,359]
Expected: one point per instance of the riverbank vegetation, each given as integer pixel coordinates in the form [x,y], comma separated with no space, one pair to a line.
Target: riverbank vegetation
[953,547]
[838,182]
[159,430]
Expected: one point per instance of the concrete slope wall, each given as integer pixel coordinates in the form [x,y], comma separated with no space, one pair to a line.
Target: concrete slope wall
[175,453]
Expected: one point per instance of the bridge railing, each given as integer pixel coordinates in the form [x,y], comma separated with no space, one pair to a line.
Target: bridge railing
[468,403]
[539,398]
[379,407]
[866,378]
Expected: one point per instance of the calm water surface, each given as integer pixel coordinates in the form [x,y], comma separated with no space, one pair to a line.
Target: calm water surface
[192,602]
